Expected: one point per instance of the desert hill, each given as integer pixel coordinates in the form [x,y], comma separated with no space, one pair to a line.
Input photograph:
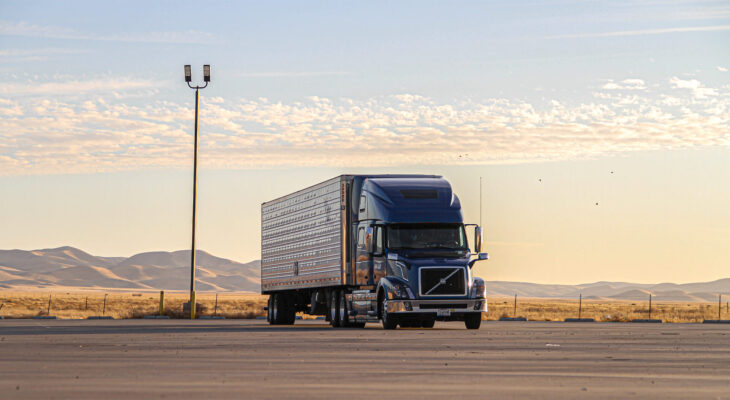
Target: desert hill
[71,267]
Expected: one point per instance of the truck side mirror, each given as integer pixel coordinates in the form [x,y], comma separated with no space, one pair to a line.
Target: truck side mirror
[478,239]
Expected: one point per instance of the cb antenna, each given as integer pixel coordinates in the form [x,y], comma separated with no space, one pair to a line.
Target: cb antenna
[480,202]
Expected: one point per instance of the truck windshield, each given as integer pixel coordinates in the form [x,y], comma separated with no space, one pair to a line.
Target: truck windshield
[426,236]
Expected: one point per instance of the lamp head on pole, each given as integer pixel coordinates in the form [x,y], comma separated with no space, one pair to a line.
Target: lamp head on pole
[206,73]
[188,74]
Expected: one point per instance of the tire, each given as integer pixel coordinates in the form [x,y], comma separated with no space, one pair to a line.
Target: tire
[473,321]
[343,311]
[389,321]
[334,309]
[428,323]
[275,309]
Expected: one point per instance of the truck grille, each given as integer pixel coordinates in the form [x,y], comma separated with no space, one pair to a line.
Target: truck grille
[442,281]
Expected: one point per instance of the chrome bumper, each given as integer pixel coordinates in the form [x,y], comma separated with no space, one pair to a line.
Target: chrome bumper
[433,306]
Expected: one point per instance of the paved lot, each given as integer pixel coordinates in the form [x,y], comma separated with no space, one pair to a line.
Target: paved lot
[249,359]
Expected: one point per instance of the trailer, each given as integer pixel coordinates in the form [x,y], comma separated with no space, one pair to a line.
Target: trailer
[368,248]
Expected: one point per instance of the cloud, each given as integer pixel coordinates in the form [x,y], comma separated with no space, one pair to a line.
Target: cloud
[699,91]
[75,86]
[721,69]
[54,134]
[626,84]
[643,32]
[22,28]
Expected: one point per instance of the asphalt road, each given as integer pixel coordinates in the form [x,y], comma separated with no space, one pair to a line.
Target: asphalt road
[249,359]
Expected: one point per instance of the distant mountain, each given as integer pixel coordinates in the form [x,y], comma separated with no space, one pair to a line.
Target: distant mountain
[74,268]
[69,267]
[692,292]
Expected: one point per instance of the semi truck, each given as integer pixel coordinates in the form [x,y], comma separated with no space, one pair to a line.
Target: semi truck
[369,248]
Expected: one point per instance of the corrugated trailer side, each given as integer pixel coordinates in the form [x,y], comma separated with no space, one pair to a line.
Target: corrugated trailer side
[302,238]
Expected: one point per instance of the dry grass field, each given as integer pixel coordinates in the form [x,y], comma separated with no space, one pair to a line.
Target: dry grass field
[126,305]
[69,305]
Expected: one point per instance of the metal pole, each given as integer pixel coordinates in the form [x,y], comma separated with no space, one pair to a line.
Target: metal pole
[580,304]
[162,302]
[103,311]
[195,196]
[215,310]
[515,311]
[719,307]
[86,307]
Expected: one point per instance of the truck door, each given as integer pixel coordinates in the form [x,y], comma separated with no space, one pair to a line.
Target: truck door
[378,255]
[363,260]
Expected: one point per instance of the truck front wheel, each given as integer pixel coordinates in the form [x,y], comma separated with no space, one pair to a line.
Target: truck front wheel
[473,321]
[389,321]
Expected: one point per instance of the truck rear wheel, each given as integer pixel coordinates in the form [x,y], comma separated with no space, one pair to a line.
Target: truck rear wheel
[343,310]
[334,309]
[389,321]
[473,321]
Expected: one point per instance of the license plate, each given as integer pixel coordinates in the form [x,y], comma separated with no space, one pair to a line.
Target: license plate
[443,313]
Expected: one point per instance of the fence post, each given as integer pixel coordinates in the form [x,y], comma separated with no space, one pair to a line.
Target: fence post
[649,305]
[215,309]
[580,304]
[515,310]
[86,307]
[48,312]
[192,305]
[162,302]
[719,306]
[103,310]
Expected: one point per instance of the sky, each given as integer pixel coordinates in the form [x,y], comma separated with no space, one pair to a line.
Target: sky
[600,130]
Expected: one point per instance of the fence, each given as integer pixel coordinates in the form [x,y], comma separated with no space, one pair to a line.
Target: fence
[138,305]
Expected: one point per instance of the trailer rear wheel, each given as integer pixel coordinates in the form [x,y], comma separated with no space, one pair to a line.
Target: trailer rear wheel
[281,309]
[473,321]
[274,299]
[334,309]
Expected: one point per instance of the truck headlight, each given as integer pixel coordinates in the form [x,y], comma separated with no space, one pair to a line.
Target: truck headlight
[478,289]
[400,291]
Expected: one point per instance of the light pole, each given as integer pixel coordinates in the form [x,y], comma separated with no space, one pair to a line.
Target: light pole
[188,79]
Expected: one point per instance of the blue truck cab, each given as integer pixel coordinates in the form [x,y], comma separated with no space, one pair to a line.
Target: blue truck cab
[398,249]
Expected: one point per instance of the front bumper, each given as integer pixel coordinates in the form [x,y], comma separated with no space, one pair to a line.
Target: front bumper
[436,307]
